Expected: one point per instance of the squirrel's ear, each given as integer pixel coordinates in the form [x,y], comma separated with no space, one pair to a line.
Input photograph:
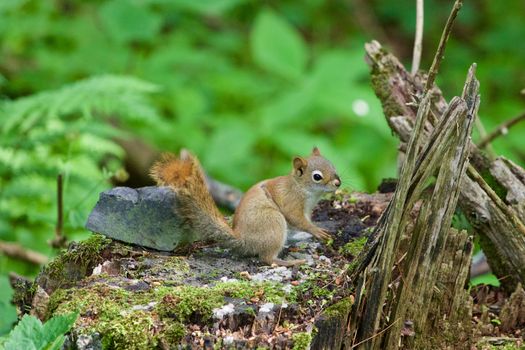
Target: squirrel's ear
[316,152]
[299,165]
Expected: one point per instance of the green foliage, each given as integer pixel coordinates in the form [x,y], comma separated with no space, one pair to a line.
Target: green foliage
[487,279]
[277,47]
[7,310]
[301,341]
[241,86]
[31,334]
[353,248]
[245,85]
[63,131]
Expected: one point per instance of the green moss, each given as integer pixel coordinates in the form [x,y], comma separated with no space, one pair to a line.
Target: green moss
[341,308]
[55,299]
[301,341]
[103,302]
[353,248]
[269,292]
[108,310]
[352,266]
[182,303]
[171,264]
[173,332]
[73,264]
[185,302]
[131,331]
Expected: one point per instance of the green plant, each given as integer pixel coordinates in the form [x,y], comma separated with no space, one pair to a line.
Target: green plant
[63,131]
[7,310]
[30,333]
[488,279]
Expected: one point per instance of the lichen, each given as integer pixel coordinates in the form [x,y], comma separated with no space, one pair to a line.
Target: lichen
[301,341]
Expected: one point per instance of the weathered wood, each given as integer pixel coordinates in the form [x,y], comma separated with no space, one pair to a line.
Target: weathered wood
[499,225]
[379,272]
[390,304]
[513,312]
[427,246]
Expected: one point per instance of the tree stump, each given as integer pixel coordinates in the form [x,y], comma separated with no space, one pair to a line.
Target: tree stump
[407,294]
[496,212]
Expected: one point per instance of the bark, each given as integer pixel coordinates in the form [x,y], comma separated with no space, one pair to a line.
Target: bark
[492,202]
[400,281]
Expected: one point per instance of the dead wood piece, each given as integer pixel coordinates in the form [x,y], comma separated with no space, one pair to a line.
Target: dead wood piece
[432,73]
[16,251]
[443,151]
[502,129]
[224,195]
[494,222]
[418,40]
[512,314]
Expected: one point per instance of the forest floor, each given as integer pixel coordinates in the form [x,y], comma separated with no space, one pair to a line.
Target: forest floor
[204,296]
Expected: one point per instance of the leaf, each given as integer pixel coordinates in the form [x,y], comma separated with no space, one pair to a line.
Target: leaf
[56,327]
[488,279]
[29,333]
[277,47]
[7,310]
[127,21]
[202,7]
[227,148]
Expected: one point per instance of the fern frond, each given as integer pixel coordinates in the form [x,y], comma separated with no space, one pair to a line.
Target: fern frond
[119,96]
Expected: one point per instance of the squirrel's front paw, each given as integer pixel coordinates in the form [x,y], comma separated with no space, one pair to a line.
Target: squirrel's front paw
[322,234]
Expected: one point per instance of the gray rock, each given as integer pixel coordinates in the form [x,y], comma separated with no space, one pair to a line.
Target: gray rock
[142,216]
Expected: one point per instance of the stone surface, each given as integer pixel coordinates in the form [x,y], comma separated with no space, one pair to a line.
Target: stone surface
[141,216]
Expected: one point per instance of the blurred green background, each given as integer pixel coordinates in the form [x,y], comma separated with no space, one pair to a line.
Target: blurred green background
[244,84]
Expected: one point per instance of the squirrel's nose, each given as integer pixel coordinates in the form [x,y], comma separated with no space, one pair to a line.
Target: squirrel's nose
[337,181]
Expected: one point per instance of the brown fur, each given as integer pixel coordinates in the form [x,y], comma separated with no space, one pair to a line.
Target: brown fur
[266,212]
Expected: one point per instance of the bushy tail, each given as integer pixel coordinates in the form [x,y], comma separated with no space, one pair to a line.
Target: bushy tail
[195,205]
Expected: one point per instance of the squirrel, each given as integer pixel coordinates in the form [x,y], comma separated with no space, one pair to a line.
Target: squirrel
[265,213]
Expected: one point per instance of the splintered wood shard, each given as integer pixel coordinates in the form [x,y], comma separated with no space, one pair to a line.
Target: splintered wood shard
[497,214]
[389,299]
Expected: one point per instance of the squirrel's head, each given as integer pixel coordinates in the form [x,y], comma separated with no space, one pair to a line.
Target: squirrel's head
[316,173]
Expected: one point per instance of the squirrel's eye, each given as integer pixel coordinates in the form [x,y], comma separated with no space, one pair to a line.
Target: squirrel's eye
[317,175]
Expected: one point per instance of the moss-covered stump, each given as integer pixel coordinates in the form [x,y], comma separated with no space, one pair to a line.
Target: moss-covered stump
[132,298]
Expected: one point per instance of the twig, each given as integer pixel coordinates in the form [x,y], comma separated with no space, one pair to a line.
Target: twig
[15,250]
[502,129]
[432,73]
[418,41]
[60,240]
[375,335]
